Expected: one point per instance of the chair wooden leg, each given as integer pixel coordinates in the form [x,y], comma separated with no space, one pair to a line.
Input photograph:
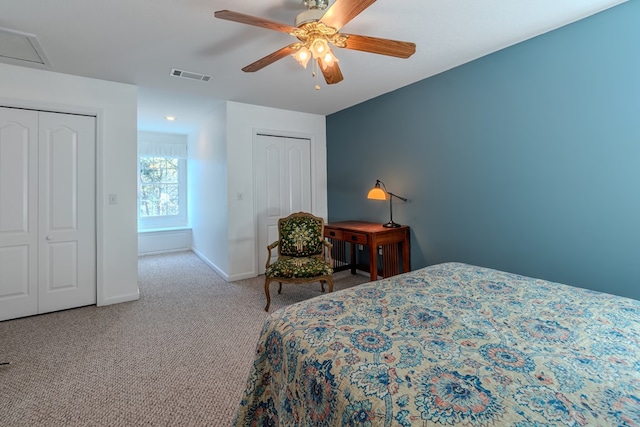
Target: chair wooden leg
[322,285]
[330,280]
[280,287]
[266,292]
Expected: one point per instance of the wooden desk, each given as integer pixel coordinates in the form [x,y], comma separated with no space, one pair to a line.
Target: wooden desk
[373,235]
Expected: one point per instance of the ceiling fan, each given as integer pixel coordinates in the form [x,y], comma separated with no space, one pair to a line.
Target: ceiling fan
[317,29]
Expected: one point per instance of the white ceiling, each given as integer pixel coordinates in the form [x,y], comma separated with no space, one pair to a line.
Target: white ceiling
[140,41]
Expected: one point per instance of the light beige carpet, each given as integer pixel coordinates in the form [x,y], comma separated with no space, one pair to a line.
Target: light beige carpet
[179,356]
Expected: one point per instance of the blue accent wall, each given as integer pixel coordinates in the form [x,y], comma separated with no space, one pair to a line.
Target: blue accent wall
[526,160]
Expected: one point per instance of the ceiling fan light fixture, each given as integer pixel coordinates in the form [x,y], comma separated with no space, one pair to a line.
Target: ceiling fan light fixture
[303,55]
[328,60]
[319,47]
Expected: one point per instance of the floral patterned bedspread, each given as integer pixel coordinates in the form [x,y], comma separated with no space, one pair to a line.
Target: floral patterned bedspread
[451,344]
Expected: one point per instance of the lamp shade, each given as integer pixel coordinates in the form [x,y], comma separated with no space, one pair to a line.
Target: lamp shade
[377,193]
[302,56]
[319,47]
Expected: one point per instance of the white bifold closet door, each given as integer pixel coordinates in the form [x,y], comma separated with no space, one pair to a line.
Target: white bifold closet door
[47,212]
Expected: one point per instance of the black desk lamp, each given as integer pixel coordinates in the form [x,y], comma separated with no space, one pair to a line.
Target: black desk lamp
[377,193]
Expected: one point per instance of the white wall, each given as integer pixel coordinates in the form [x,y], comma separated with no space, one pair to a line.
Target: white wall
[207,182]
[158,242]
[115,106]
[243,121]
[225,228]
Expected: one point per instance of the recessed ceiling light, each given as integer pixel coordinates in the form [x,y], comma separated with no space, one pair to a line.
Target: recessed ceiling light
[170,118]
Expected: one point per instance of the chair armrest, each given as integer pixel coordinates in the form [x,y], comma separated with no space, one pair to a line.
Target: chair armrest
[269,248]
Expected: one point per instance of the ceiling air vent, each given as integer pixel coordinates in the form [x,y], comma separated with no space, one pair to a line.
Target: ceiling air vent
[189,75]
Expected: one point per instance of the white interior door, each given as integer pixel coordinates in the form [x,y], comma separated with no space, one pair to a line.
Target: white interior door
[283,185]
[67,246]
[47,212]
[18,213]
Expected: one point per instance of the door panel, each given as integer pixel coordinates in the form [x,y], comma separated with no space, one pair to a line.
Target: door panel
[283,186]
[62,263]
[18,213]
[299,179]
[275,176]
[67,273]
[60,148]
[14,273]
[275,192]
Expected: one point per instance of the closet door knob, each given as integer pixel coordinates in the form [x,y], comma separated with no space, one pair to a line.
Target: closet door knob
[49,237]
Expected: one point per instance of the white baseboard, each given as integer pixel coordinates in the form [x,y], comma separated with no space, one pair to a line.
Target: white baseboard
[120,298]
[241,277]
[168,251]
[211,264]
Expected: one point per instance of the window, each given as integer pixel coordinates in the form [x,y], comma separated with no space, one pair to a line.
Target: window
[162,181]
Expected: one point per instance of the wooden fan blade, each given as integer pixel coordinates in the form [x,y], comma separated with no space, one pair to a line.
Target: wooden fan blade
[332,74]
[269,59]
[343,11]
[230,15]
[380,46]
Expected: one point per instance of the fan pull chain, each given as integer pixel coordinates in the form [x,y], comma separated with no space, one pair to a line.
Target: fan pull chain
[315,74]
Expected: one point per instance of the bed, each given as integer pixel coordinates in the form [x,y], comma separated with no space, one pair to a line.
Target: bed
[450,344]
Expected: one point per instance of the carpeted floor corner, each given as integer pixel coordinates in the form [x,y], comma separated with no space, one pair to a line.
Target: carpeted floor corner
[179,356]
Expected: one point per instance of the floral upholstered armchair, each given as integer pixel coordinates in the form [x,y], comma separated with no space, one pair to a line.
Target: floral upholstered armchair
[303,254]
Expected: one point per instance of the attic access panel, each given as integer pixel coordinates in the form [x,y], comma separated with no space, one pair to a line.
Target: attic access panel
[20,48]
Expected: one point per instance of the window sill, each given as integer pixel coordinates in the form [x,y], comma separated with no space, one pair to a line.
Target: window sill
[159,230]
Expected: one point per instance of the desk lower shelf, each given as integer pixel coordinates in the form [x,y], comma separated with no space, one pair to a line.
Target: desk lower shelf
[392,243]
